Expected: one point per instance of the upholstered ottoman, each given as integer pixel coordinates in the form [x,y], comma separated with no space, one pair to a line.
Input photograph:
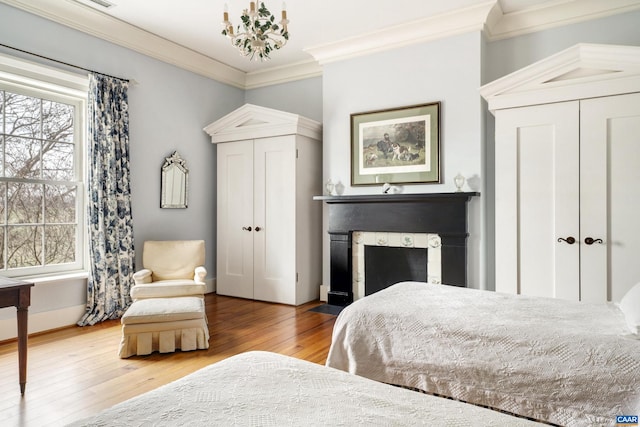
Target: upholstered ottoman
[164,325]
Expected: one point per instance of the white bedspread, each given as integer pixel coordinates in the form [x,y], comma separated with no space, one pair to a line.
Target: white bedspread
[267,389]
[562,362]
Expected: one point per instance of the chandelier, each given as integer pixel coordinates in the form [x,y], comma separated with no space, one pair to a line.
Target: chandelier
[259,34]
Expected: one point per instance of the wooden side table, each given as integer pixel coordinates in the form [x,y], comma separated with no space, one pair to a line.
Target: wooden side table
[18,294]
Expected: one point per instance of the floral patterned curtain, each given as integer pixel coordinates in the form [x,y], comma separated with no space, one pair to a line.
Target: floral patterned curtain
[111,252]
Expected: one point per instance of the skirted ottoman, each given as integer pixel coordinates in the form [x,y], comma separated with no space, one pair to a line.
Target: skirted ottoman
[164,325]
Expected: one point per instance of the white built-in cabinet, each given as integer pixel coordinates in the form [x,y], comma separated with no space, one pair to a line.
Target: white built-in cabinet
[567,175]
[269,167]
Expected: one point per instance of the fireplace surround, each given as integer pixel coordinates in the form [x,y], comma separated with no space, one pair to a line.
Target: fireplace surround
[380,259]
[444,214]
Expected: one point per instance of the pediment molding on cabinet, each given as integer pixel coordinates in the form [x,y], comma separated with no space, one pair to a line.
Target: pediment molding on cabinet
[252,121]
[582,71]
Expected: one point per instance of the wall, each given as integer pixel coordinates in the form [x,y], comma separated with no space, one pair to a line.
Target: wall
[169,107]
[509,55]
[302,97]
[506,56]
[446,70]
[449,70]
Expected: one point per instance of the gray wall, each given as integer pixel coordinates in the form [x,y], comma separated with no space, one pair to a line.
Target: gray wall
[451,71]
[302,97]
[169,107]
[447,71]
[506,56]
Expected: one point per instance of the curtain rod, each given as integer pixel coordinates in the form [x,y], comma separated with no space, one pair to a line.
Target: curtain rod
[63,63]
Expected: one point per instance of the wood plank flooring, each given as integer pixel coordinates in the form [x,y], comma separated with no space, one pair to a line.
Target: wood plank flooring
[75,372]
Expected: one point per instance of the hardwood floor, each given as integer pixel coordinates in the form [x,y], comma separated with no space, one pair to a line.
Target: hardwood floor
[75,372]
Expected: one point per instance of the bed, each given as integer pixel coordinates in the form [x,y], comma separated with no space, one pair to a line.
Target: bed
[268,389]
[561,362]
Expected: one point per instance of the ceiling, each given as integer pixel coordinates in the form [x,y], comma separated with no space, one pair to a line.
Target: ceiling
[187,32]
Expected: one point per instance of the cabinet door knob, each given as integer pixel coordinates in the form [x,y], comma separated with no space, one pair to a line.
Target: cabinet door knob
[246,228]
[570,240]
[258,228]
[591,241]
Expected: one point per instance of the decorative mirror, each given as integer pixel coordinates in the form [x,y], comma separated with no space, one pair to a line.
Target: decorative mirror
[175,182]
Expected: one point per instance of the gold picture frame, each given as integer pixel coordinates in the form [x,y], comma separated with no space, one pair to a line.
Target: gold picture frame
[396,146]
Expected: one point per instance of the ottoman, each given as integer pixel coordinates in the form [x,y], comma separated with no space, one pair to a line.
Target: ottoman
[164,325]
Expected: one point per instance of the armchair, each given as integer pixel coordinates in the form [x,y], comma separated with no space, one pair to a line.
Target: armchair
[171,268]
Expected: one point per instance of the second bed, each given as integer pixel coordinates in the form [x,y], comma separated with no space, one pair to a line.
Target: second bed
[561,362]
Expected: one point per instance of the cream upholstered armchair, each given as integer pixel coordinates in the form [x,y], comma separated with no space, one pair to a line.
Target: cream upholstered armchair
[172,268]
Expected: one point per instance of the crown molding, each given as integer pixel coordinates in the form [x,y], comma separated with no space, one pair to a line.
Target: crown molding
[418,31]
[487,16]
[552,14]
[582,71]
[283,74]
[95,23]
[88,20]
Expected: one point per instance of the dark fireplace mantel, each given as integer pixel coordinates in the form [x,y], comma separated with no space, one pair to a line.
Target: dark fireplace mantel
[441,213]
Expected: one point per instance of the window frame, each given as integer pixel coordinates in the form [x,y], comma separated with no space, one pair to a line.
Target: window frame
[36,80]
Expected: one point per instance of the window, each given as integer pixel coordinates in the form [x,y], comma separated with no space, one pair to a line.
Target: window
[41,175]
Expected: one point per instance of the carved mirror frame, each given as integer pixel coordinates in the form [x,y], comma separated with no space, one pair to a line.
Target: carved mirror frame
[175,183]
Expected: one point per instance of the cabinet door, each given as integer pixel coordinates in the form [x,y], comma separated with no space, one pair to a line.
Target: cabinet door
[274,215]
[610,196]
[537,200]
[235,215]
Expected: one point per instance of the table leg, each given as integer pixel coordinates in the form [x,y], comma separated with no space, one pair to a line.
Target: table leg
[23,316]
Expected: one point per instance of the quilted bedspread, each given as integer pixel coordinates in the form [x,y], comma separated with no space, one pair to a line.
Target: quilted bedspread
[268,389]
[567,363]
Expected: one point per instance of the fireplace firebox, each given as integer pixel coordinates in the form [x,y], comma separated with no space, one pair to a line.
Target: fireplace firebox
[388,265]
[439,214]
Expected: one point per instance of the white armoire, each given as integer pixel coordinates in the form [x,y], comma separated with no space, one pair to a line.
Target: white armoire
[269,229]
[567,175]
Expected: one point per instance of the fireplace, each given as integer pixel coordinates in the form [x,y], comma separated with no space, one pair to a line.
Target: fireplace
[380,259]
[433,225]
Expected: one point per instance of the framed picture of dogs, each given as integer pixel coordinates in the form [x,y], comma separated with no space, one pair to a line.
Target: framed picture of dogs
[396,146]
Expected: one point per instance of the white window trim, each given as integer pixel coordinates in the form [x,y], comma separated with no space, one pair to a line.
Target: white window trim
[27,76]
[33,75]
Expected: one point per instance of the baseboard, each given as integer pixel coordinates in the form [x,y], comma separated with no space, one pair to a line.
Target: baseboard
[211,285]
[39,322]
[324,293]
